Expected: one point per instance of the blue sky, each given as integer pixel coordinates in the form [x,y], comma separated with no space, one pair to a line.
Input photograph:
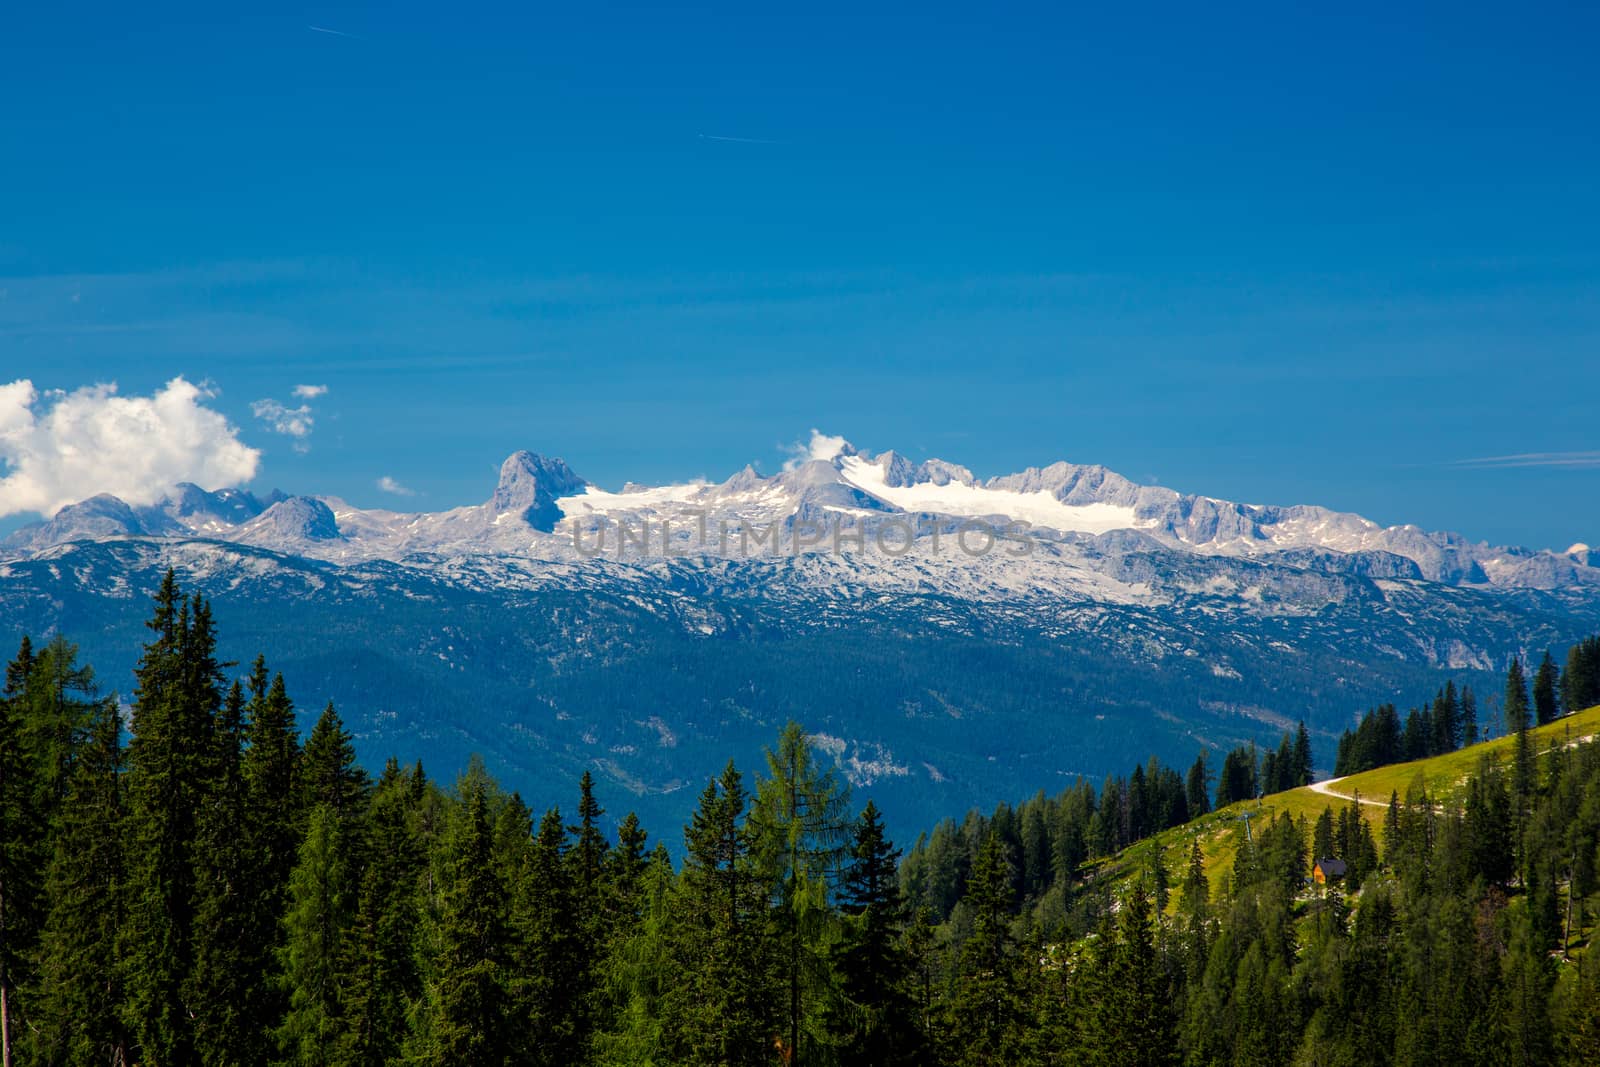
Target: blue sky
[1251,253]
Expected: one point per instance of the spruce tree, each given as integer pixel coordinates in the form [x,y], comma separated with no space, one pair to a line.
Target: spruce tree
[176,702]
[383,981]
[1135,1013]
[551,957]
[801,827]
[227,978]
[317,929]
[726,1006]
[1197,787]
[623,876]
[873,1019]
[23,826]
[81,975]
[465,1005]
[986,1009]
[1301,762]
[328,772]
[1546,687]
[273,799]
[1469,716]
[1516,703]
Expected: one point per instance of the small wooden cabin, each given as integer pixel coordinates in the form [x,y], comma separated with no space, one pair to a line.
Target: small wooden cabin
[1329,870]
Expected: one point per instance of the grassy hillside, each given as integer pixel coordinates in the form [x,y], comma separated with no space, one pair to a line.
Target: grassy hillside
[1222,832]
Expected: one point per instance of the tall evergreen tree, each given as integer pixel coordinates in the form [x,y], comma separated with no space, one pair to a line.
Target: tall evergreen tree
[273,799]
[80,968]
[465,1004]
[328,772]
[1134,1019]
[1469,716]
[226,979]
[1546,690]
[874,1018]
[316,946]
[1516,703]
[176,702]
[23,827]
[801,826]
[1197,787]
[726,1007]
[986,1011]
[1302,773]
[383,981]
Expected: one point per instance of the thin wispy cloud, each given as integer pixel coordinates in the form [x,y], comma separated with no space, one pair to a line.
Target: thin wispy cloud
[390,485]
[334,33]
[736,140]
[1579,460]
[296,423]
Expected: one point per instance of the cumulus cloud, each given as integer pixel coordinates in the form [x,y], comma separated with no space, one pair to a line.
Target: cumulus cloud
[59,448]
[821,446]
[310,392]
[389,485]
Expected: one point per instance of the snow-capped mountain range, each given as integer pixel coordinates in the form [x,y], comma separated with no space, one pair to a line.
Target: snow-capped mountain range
[860,510]
[955,640]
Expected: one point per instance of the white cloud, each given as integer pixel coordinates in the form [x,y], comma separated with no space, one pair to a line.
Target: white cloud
[389,485]
[59,448]
[310,392]
[821,446]
[291,422]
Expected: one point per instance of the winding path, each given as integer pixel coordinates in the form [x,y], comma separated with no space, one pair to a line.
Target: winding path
[1326,789]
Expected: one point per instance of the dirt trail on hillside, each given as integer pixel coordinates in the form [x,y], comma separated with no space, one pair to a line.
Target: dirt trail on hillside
[1326,789]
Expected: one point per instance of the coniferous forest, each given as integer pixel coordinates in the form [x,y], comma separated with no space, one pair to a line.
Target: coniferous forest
[205,886]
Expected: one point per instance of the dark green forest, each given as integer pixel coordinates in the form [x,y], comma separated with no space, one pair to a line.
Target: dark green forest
[211,888]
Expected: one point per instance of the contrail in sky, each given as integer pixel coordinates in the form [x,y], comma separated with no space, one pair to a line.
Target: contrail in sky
[335,33]
[736,140]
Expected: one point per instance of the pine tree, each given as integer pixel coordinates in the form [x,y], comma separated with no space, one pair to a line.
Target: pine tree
[1469,716]
[382,975]
[801,829]
[584,876]
[1322,846]
[465,1003]
[553,957]
[1580,682]
[19,845]
[80,968]
[726,1007]
[623,875]
[986,1007]
[1516,704]
[328,772]
[317,930]
[1301,762]
[226,979]
[639,975]
[1546,687]
[273,798]
[176,702]
[874,1018]
[1194,904]
[1135,1015]
[1446,719]
[1197,787]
